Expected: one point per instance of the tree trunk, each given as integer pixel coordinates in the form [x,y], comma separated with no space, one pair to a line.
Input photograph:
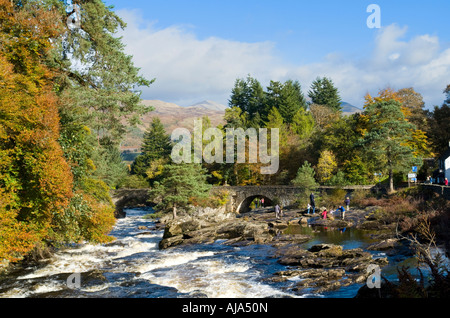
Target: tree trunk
[174,211]
[391,181]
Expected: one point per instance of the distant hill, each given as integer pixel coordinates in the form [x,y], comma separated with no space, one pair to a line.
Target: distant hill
[209,105]
[173,116]
[349,109]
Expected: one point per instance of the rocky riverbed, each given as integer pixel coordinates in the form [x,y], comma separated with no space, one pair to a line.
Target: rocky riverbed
[317,268]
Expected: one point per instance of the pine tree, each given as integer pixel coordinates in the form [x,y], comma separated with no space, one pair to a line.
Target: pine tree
[180,183]
[156,145]
[248,95]
[306,177]
[305,180]
[388,137]
[323,92]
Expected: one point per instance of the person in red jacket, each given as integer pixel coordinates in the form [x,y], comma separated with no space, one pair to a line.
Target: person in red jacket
[446,182]
[324,214]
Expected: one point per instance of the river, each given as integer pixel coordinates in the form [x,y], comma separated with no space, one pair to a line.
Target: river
[133,267]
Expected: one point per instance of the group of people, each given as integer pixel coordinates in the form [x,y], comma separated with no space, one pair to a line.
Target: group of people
[431,180]
[324,213]
[312,208]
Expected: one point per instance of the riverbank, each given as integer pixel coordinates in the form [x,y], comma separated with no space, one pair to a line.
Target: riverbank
[315,268]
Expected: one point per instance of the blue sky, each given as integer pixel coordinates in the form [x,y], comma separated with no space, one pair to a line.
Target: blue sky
[197,48]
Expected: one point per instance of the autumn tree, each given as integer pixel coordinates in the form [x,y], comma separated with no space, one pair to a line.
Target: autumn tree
[35,178]
[326,166]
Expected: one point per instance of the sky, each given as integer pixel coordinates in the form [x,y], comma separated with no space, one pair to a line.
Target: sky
[196,49]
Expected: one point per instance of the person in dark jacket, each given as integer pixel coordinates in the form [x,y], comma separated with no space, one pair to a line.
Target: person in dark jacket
[312,202]
[347,202]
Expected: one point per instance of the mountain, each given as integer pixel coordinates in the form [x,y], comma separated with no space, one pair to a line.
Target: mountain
[349,109]
[209,105]
[172,116]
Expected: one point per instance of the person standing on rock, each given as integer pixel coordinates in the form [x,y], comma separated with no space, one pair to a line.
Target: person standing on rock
[341,208]
[324,214]
[312,202]
[347,202]
[277,211]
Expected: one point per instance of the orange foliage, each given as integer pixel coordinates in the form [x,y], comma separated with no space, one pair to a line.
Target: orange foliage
[386,95]
[35,179]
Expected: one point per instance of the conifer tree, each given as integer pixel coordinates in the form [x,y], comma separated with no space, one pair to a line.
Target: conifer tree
[388,138]
[156,145]
[323,92]
[179,184]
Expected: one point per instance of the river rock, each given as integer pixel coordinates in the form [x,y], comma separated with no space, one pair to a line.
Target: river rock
[171,241]
[384,245]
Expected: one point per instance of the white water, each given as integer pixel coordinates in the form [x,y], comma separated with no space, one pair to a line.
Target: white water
[133,266]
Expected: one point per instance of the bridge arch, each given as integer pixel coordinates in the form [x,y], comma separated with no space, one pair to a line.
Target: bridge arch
[123,198]
[244,206]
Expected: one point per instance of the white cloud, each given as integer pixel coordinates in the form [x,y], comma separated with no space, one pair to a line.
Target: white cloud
[188,69]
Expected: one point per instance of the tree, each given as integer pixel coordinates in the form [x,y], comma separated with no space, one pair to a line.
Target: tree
[248,95]
[387,138]
[323,116]
[323,92]
[306,181]
[439,128]
[326,166]
[35,178]
[414,104]
[287,98]
[156,146]
[302,123]
[180,183]
[306,177]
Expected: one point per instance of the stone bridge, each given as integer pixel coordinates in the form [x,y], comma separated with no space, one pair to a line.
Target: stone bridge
[240,197]
[239,200]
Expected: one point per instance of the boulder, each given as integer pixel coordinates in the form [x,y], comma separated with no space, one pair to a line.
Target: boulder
[170,242]
[384,245]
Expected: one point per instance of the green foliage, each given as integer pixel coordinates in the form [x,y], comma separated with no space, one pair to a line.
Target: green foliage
[287,98]
[388,137]
[156,149]
[134,181]
[302,123]
[248,96]
[306,181]
[439,125]
[180,183]
[323,92]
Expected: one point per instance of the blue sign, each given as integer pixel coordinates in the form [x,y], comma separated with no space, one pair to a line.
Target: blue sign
[414,169]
